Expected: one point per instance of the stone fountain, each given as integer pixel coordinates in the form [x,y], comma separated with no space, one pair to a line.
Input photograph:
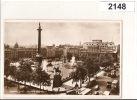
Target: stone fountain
[44,65]
[72,61]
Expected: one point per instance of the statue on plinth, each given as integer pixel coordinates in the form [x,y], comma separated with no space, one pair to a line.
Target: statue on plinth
[57,82]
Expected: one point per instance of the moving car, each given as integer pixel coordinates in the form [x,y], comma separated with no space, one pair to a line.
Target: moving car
[106,93]
[115,86]
[102,68]
[91,83]
[113,73]
[96,88]
[108,69]
[108,84]
[96,93]
[109,74]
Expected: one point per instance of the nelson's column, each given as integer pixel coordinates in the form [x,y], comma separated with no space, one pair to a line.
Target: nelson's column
[38,55]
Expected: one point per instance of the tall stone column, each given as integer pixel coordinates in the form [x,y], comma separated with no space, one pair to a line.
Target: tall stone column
[39,56]
[39,39]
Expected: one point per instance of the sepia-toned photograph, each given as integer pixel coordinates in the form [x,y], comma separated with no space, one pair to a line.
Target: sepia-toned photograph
[62,57]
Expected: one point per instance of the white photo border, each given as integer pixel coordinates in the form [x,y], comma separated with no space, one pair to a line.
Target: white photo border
[128,23]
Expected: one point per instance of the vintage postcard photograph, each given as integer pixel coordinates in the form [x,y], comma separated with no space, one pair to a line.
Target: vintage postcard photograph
[62,57]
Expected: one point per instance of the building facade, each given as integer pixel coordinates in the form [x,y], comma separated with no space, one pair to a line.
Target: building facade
[96,47]
[50,51]
[16,54]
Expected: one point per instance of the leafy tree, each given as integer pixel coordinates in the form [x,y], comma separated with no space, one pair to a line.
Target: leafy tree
[96,63]
[7,71]
[69,56]
[84,57]
[18,76]
[7,62]
[7,67]
[45,78]
[12,71]
[25,72]
[79,74]
[77,57]
[41,77]
[107,60]
[92,64]
[89,65]
[33,77]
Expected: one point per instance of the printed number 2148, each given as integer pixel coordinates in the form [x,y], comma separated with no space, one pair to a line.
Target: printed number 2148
[117,6]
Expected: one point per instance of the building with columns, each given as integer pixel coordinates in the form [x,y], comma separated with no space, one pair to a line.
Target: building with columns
[97,46]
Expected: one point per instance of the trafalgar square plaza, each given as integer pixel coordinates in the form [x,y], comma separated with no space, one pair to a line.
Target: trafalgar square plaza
[66,58]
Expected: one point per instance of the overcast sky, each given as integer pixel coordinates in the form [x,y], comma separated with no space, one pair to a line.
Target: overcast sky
[61,32]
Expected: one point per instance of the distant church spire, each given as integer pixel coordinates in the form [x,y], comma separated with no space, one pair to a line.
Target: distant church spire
[16,44]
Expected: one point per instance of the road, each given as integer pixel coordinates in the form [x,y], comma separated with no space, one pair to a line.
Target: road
[101,81]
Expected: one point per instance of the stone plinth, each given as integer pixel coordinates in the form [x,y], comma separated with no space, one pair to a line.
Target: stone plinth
[57,81]
[39,58]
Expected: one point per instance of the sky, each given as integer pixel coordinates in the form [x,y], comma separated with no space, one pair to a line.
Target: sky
[61,32]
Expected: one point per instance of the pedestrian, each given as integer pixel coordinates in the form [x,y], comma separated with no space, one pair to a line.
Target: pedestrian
[76,86]
[79,91]
[72,81]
